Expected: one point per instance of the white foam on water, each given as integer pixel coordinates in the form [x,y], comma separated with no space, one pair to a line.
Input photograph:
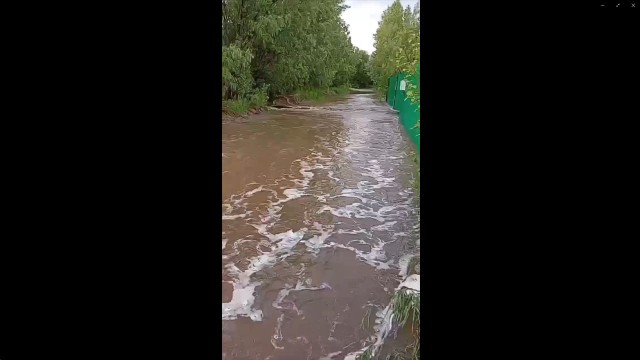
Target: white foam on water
[305,171]
[286,240]
[357,210]
[384,319]
[353,232]
[331,176]
[330,356]
[281,245]
[316,242]
[375,258]
[241,303]
[353,193]
[384,227]
[383,183]
[281,304]
[306,166]
[243,298]
[254,191]
[234,217]
[412,282]
[227,208]
[354,355]
[278,334]
[293,193]
[403,264]
[238,201]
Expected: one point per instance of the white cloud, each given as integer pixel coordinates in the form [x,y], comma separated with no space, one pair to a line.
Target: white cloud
[362,18]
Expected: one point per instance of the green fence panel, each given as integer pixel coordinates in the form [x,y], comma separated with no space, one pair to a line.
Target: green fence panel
[391,91]
[400,95]
[409,112]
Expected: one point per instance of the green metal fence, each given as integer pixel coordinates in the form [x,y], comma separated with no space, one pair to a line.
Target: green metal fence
[408,111]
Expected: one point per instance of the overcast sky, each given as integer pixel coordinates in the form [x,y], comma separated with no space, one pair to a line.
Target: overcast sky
[362,18]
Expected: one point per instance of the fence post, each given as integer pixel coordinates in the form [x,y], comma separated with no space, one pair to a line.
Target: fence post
[386,95]
[395,91]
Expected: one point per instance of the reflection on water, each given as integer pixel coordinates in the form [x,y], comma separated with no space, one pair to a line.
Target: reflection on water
[319,210]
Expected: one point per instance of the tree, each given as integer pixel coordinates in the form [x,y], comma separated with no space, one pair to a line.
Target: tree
[294,43]
[398,49]
[397,43]
[361,78]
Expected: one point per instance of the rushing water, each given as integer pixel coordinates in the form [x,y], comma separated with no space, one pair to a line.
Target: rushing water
[319,213]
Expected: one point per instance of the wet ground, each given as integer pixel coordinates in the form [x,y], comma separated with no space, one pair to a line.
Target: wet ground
[319,213]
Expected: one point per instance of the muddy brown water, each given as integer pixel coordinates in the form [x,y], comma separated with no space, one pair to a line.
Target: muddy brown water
[319,209]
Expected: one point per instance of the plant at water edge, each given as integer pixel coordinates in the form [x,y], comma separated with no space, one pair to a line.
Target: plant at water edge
[405,306]
[260,97]
[321,94]
[311,94]
[256,99]
[406,312]
[236,107]
[367,355]
[341,90]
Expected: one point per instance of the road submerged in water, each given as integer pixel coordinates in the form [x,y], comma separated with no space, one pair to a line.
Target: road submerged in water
[320,216]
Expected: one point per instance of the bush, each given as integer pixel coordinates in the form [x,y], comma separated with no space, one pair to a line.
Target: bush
[260,97]
[321,94]
[237,80]
[237,107]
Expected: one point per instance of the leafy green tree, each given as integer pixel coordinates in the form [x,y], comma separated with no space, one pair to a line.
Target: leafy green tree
[293,44]
[383,64]
[361,78]
[398,49]
[236,72]
[397,43]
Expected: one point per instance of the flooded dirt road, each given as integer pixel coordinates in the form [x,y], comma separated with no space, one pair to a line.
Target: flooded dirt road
[319,216]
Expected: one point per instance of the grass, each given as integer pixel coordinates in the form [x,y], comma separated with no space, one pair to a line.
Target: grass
[341,90]
[415,261]
[406,312]
[243,105]
[366,318]
[405,305]
[237,107]
[406,309]
[321,94]
[367,355]
[260,99]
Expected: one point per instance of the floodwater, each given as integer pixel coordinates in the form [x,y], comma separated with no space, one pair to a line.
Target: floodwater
[319,214]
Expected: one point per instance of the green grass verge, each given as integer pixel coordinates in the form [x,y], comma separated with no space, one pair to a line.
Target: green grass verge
[243,105]
[321,94]
[367,355]
[236,107]
[405,305]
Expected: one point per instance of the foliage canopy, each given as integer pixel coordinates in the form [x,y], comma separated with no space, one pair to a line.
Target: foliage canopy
[281,46]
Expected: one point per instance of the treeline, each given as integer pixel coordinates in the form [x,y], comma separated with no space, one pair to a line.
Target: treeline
[397,43]
[280,47]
